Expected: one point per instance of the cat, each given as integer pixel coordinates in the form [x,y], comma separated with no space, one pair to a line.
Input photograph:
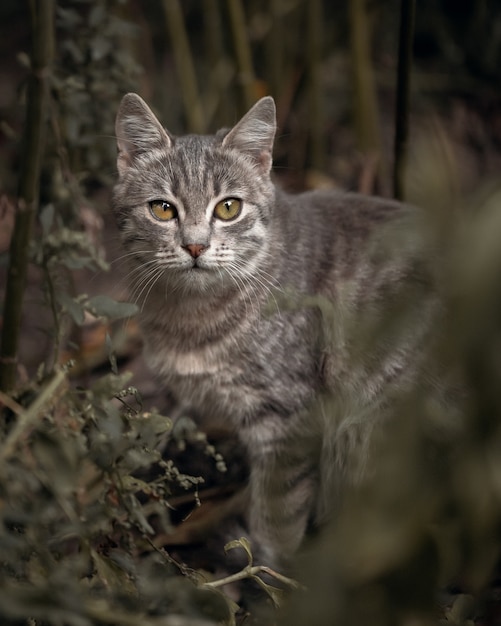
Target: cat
[298,319]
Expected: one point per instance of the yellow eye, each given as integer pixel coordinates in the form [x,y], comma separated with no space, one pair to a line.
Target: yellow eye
[228,209]
[163,210]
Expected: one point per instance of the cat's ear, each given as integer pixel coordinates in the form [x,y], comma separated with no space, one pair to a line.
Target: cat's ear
[255,132]
[137,130]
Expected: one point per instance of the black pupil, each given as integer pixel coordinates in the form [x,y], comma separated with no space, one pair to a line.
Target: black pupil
[227,205]
[165,206]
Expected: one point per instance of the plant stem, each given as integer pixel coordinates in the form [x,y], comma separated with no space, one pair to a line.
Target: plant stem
[275,48]
[48,395]
[406,36]
[222,69]
[242,51]
[185,66]
[366,107]
[42,14]
[251,572]
[314,54]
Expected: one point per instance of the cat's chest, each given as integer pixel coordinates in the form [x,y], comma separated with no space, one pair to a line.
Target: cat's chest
[171,359]
[209,380]
[268,363]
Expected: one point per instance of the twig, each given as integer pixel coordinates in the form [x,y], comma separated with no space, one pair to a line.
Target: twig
[42,14]
[407,12]
[366,109]
[242,51]
[217,492]
[31,414]
[251,572]
[222,69]
[275,47]
[11,404]
[183,569]
[185,65]
[314,29]
[51,292]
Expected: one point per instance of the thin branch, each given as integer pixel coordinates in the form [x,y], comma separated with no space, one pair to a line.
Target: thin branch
[252,572]
[185,65]
[27,419]
[42,14]
[11,404]
[406,37]
[365,105]
[314,59]
[222,69]
[275,47]
[183,569]
[242,51]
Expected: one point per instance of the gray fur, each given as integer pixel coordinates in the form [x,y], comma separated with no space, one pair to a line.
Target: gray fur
[278,326]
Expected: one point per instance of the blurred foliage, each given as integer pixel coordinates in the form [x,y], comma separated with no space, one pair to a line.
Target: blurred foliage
[418,540]
[76,534]
[95,66]
[84,487]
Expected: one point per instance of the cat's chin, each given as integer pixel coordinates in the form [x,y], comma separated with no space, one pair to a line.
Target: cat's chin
[199,280]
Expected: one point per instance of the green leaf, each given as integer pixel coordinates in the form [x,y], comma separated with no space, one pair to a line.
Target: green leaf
[104,306]
[159,423]
[138,516]
[72,307]
[277,595]
[109,385]
[111,574]
[244,543]
[57,460]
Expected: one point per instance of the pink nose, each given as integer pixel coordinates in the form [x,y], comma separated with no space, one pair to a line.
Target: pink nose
[195,249]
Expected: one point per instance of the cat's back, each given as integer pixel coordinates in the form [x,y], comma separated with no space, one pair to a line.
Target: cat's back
[332,237]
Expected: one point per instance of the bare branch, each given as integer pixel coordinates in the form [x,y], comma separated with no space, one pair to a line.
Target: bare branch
[42,14]
[242,51]
[185,65]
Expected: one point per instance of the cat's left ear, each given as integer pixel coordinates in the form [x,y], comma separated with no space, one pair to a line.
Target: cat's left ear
[255,132]
[138,131]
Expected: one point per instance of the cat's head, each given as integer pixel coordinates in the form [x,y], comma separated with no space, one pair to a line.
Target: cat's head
[194,210]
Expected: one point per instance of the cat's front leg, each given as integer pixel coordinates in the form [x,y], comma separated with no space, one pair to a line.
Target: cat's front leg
[283,487]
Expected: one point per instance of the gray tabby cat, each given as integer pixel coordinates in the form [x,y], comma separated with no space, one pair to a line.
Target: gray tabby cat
[269,310]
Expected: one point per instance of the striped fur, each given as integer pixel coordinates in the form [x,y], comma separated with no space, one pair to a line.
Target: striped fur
[277,326]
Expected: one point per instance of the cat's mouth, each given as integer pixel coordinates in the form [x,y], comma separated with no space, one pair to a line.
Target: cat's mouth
[197,268]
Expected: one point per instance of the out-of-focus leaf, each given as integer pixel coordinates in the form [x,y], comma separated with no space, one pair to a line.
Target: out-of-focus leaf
[97,15]
[107,307]
[111,354]
[57,460]
[111,574]
[109,385]
[137,514]
[47,218]
[159,423]
[101,48]
[72,306]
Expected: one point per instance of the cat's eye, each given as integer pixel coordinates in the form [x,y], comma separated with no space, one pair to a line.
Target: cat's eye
[163,210]
[228,209]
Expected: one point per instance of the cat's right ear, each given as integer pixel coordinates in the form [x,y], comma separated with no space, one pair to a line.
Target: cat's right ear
[255,132]
[138,131]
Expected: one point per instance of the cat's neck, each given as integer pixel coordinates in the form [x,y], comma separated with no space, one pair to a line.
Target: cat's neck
[192,315]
